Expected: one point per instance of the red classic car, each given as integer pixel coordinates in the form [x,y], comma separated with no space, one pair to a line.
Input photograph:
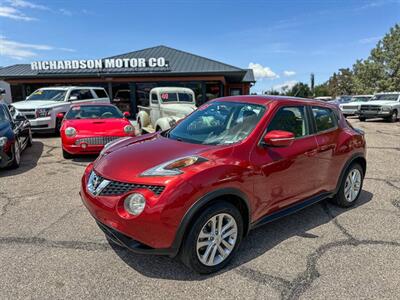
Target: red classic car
[232,165]
[86,128]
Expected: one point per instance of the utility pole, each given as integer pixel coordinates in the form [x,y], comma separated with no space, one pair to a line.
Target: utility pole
[312,84]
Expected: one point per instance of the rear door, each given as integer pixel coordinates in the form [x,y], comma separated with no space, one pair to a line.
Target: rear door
[327,134]
[287,174]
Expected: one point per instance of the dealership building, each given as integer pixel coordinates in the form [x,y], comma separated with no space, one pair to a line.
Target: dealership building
[133,75]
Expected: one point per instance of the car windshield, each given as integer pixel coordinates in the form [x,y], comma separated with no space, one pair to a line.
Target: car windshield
[386,97]
[176,97]
[360,99]
[50,95]
[218,123]
[94,112]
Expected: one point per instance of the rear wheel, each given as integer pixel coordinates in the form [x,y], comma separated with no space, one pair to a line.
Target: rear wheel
[213,239]
[393,117]
[351,186]
[362,119]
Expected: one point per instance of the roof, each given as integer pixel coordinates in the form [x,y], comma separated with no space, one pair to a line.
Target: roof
[179,63]
[71,87]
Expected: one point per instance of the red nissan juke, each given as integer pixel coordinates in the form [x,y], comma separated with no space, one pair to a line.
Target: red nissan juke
[86,128]
[234,164]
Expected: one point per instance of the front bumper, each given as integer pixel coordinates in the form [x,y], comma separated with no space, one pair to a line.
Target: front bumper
[42,124]
[146,233]
[79,149]
[379,114]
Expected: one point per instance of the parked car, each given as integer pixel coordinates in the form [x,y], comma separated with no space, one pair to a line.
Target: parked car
[15,136]
[167,106]
[234,164]
[341,100]
[43,105]
[86,128]
[350,108]
[122,100]
[382,105]
[324,98]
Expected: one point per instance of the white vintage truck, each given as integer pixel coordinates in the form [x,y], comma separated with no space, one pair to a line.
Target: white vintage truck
[167,105]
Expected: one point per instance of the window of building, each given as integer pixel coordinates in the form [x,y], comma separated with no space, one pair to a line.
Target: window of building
[292,119]
[235,92]
[213,90]
[143,93]
[324,118]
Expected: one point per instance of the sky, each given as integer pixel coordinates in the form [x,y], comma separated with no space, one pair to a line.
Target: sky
[282,41]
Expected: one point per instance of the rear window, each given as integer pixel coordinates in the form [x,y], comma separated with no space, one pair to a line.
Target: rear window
[325,118]
[93,112]
[101,93]
[185,97]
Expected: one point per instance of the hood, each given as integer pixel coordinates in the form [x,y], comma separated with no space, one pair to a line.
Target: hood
[178,109]
[382,102]
[101,127]
[354,104]
[36,104]
[133,156]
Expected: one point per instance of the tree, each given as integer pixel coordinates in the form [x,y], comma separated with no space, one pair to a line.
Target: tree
[300,89]
[321,90]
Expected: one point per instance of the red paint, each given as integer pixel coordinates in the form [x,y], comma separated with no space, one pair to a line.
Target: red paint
[270,177]
[110,127]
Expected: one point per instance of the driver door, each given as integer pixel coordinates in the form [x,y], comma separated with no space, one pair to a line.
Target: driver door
[286,174]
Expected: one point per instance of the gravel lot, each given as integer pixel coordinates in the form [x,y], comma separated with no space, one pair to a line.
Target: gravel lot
[50,247]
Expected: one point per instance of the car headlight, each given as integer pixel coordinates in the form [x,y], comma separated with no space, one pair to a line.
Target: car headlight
[135,203]
[129,129]
[43,112]
[70,131]
[173,167]
[3,141]
[385,108]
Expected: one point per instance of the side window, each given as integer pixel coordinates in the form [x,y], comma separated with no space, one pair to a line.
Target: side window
[324,118]
[100,93]
[292,119]
[82,94]
[154,98]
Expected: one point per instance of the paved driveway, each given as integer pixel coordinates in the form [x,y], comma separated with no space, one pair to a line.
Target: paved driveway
[51,248]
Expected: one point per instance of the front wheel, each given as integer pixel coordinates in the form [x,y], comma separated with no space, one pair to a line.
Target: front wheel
[351,186]
[393,117]
[213,239]
[362,119]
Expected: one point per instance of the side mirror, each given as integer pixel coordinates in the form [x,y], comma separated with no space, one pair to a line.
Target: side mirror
[73,98]
[278,138]
[127,114]
[60,115]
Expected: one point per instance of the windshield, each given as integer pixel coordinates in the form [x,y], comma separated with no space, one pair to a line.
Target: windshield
[360,99]
[50,95]
[94,112]
[386,97]
[218,123]
[176,97]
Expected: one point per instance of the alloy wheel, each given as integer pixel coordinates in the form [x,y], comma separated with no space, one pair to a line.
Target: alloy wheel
[352,185]
[217,239]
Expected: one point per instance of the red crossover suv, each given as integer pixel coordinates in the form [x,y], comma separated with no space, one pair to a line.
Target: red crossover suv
[233,164]
[86,128]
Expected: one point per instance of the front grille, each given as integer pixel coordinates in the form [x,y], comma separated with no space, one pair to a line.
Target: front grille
[350,107]
[116,188]
[98,140]
[30,117]
[29,113]
[370,108]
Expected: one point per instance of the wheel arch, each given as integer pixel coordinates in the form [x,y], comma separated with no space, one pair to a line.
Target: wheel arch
[355,158]
[230,195]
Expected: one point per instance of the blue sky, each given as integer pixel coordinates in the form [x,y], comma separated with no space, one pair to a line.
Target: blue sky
[284,41]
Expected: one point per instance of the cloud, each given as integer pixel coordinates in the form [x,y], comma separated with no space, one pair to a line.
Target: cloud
[21,51]
[13,13]
[26,4]
[261,72]
[289,73]
[287,85]
[370,40]
[65,12]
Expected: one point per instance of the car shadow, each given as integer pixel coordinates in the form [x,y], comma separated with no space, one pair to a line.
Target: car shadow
[29,159]
[258,242]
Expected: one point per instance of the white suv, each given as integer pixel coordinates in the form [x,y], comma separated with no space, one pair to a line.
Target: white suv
[44,106]
[382,105]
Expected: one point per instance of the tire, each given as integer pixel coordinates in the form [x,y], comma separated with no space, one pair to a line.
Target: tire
[214,244]
[158,128]
[16,153]
[362,119]
[66,155]
[393,117]
[30,142]
[347,199]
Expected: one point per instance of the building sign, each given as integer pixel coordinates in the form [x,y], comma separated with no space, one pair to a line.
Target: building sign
[108,63]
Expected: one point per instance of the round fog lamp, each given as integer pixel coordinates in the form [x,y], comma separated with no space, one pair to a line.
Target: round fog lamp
[84,145]
[134,204]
